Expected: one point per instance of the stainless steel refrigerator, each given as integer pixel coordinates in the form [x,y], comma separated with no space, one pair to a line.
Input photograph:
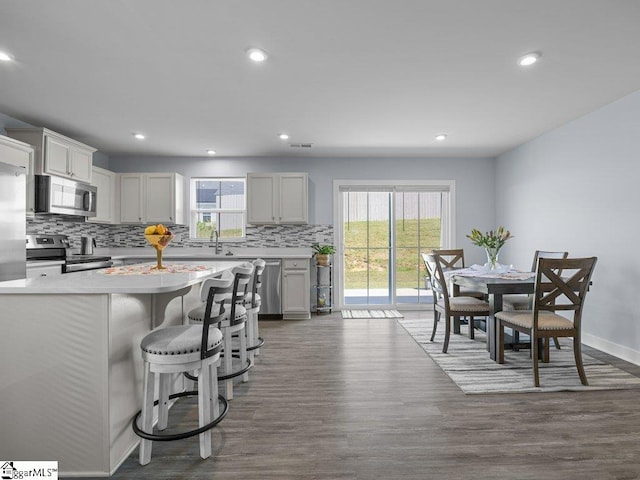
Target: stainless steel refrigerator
[13,261]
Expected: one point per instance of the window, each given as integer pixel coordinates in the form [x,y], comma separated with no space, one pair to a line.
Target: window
[217,204]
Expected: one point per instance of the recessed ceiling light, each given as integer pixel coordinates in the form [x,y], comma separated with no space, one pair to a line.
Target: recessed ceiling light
[257,55]
[284,136]
[211,152]
[441,137]
[529,59]
[139,136]
[5,57]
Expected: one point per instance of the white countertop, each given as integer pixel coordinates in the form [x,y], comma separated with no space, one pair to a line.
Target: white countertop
[172,252]
[94,282]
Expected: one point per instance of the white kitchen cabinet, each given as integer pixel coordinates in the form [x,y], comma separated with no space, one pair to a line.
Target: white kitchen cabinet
[131,192]
[296,286]
[106,183]
[164,199]
[151,198]
[20,154]
[56,154]
[277,198]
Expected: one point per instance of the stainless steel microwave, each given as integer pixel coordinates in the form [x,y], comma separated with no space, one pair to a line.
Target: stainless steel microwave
[61,195]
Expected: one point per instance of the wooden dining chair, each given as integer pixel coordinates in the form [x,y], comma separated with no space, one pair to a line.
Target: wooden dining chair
[561,285]
[454,258]
[447,306]
[525,302]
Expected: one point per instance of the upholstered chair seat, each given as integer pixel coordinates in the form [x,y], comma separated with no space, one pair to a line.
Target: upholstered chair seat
[467,304]
[196,315]
[546,320]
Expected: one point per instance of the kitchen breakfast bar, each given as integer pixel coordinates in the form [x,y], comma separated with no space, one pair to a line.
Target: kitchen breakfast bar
[71,376]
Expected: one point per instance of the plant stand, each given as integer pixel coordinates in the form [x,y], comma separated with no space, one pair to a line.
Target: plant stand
[324,288]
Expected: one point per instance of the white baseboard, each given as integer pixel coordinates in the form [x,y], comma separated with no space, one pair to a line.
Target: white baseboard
[625,353]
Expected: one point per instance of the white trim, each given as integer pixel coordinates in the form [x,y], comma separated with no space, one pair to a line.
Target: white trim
[620,351]
[448,237]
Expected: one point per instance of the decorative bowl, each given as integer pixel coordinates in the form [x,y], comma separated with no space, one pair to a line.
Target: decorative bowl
[159,242]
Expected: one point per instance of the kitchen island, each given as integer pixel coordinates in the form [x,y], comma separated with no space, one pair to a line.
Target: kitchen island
[71,377]
[287,283]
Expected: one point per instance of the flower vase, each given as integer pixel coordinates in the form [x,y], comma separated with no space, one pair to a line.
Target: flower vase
[492,258]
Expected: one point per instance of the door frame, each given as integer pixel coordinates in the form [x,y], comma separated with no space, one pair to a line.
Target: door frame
[394,185]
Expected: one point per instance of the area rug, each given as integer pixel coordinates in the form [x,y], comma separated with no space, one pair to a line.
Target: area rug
[371,314]
[467,363]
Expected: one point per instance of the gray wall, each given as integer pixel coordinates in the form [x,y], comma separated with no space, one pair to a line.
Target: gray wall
[576,189]
[474,178]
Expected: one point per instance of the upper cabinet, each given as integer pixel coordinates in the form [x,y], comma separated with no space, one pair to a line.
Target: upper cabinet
[277,198]
[56,154]
[131,191]
[151,198]
[107,198]
[20,154]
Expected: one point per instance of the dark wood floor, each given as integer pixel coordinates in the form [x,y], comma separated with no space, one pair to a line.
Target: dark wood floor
[359,399]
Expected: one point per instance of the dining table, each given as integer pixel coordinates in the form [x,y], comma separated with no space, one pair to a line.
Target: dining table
[494,285]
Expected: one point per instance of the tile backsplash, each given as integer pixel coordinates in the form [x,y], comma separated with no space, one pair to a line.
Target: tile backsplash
[110,236]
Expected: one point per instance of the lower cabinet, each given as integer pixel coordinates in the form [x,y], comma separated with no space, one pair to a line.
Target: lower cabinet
[296,299]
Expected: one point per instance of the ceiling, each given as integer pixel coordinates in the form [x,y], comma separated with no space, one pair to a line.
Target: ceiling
[355,78]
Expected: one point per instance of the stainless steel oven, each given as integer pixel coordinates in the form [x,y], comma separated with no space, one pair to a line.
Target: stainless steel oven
[78,263]
[56,247]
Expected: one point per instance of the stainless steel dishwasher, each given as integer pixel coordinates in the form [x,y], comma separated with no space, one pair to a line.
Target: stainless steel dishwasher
[271,290]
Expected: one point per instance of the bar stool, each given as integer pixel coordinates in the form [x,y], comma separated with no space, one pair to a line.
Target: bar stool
[252,302]
[174,350]
[232,323]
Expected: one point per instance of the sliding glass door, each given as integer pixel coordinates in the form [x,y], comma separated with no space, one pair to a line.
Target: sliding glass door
[418,229]
[382,230]
[367,250]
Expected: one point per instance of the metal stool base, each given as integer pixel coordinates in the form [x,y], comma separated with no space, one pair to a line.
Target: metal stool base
[180,436]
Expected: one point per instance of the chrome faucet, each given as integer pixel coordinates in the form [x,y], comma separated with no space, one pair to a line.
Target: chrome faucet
[215,233]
